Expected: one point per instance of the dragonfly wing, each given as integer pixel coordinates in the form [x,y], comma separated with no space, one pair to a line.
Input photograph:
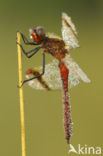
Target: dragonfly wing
[34,83]
[69,32]
[52,35]
[75,70]
[51,77]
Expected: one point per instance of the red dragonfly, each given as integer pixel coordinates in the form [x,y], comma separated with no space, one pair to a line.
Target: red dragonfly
[62,72]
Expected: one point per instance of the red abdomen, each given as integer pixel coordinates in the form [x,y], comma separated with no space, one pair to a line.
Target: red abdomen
[64,72]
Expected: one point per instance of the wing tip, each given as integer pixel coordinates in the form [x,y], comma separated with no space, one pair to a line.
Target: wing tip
[63,13]
[85,79]
[88,81]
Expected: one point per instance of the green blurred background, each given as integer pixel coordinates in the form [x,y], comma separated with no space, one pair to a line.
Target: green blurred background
[44,110]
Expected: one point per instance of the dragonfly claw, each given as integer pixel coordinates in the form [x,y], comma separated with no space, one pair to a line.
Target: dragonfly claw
[18,44]
[18,32]
[20,86]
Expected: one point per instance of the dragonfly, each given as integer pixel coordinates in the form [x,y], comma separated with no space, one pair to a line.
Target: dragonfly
[62,72]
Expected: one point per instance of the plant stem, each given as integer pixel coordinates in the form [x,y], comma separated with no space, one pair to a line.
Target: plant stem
[21,96]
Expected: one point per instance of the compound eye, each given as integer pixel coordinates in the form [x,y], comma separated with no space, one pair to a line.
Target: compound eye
[40,31]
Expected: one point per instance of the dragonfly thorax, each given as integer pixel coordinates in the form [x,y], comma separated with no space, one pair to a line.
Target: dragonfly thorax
[55,47]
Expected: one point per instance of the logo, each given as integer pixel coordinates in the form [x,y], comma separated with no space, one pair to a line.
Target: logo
[85,150]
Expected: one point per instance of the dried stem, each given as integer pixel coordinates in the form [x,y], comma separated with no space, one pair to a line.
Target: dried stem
[21,97]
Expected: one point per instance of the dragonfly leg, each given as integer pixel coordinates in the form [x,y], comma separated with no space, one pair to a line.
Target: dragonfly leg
[37,76]
[26,40]
[33,51]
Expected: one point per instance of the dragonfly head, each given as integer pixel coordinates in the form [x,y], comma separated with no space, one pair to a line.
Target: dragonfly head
[38,34]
